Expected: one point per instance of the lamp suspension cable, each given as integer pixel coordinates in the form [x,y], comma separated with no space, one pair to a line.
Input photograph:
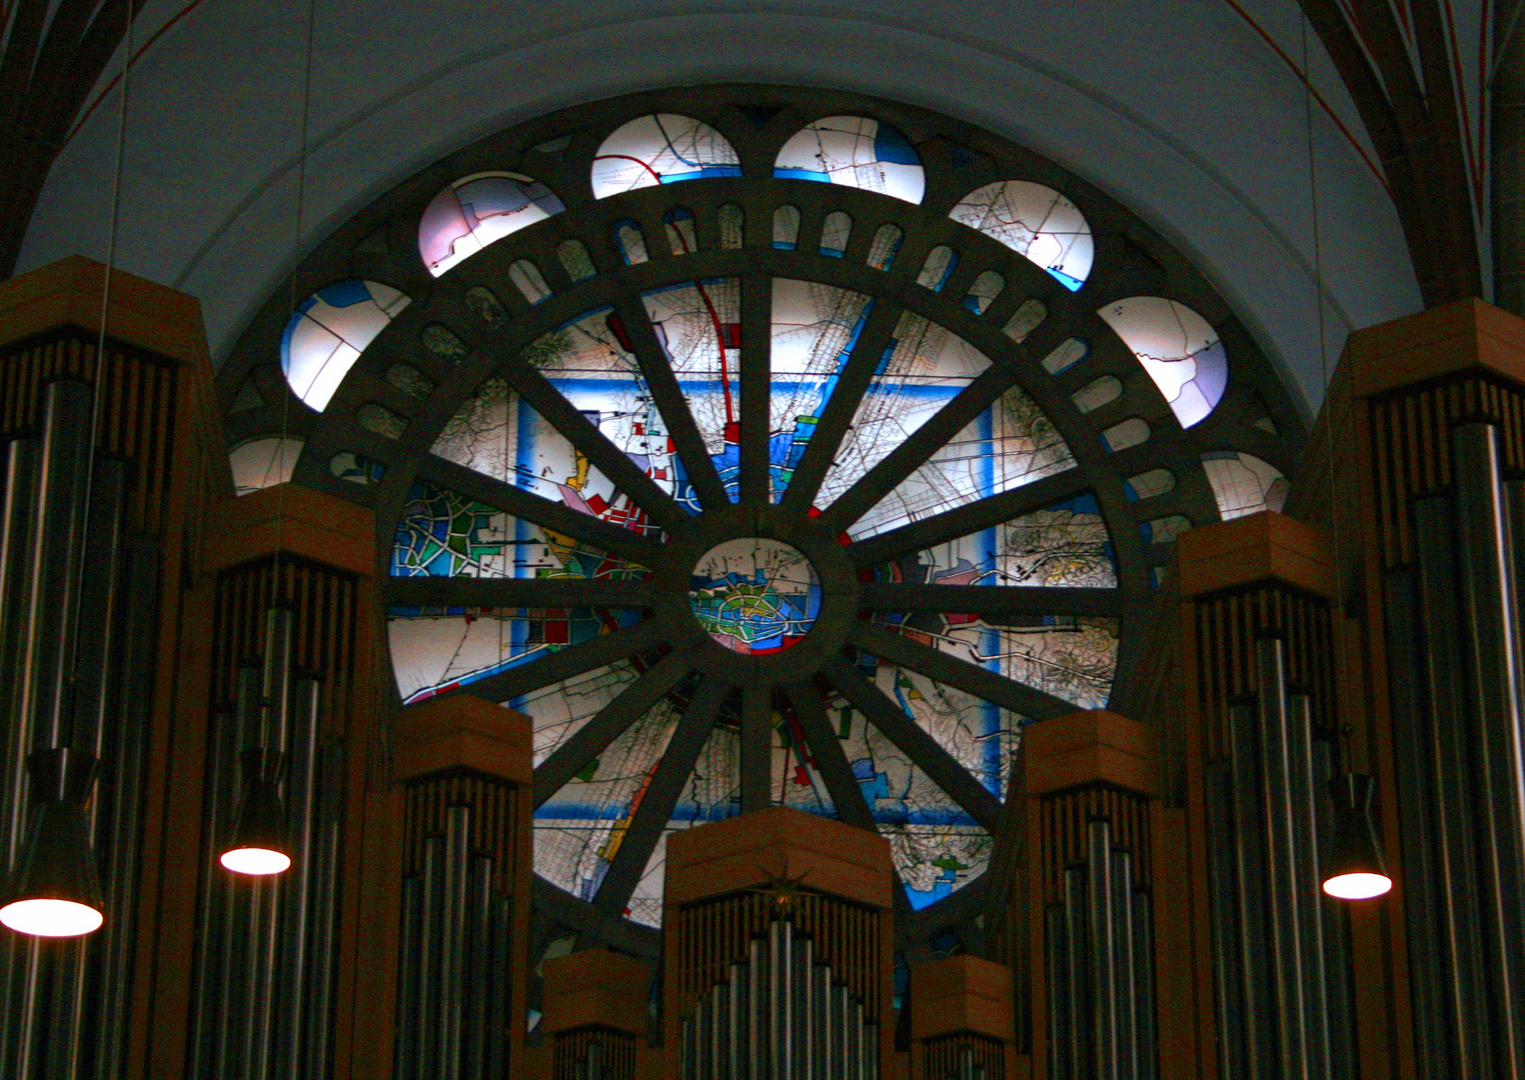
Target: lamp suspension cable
[56,891]
[261,840]
[1353,867]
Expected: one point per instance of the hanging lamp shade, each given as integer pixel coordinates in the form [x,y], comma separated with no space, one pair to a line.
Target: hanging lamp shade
[1355,870]
[260,843]
[55,891]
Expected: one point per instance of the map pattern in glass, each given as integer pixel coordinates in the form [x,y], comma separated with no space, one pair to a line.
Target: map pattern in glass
[755,596]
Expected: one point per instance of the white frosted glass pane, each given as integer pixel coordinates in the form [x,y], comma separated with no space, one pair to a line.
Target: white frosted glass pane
[857,151]
[529,281]
[813,333]
[1036,222]
[1096,394]
[983,292]
[476,210]
[630,242]
[1010,444]
[1243,484]
[262,463]
[938,268]
[661,149]
[1182,353]
[1131,432]
[835,232]
[329,331]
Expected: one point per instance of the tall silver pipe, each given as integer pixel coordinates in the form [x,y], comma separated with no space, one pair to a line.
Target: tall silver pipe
[1103,950]
[298,884]
[1448,742]
[479,978]
[1228,978]
[1144,999]
[324,917]
[452,941]
[429,971]
[1126,993]
[101,596]
[1282,833]
[62,491]
[17,534]
[1078,1038]
[1305,877]
[276,689]
[1259,1039]
[409,1027]
[1488,587]
[140,591]
[1056,972]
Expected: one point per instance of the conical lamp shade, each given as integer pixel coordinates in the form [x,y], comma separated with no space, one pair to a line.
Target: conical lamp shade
[260,843]
[55,891]
[1355,870]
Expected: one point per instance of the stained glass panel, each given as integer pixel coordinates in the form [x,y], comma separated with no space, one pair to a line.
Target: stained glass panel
[477,210]
[329,331]
[661,149]
[1182,353]
[1036,222]
[857,151]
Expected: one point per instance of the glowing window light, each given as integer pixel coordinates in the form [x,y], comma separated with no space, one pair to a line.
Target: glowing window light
[663,148]
[477,210]
[1180,351]
[1243,484]
[329,331]
[856,151]
[1037,223]
[261,463]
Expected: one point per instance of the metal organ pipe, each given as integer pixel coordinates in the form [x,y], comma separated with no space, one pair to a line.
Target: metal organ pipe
[1488,590]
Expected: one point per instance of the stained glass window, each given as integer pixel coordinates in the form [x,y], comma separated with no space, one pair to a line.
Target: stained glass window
[766,494]
[1036,222]
[858,151]
[1182,354]
[476,210]
[329,331]
[661,149]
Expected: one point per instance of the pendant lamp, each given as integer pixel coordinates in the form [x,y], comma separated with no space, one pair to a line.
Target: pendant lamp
[55,891]
[1355,870]
[260,843]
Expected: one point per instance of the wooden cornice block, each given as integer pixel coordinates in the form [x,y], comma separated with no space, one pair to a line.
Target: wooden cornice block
[68,293]
[296,519]
[962,993]
[1445,340]
[595,987]
[1086,747]
[1227,554]
[464,732]
[743,852]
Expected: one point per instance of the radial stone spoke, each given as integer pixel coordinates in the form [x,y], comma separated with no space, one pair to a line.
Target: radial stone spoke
[925,441]
[857,373]
[618,542]
[992,599]
[561,414]
[845,793]
[901,650]
[970,518]
[756,389]
[594,737]
[657,370]
[567,663]
[913,741]
[516,592]
[756,748]
[662,795]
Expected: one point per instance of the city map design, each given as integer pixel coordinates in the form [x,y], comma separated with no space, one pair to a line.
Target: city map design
[755,596]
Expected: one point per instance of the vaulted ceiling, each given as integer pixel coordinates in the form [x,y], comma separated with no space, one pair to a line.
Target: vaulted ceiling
[1194,114]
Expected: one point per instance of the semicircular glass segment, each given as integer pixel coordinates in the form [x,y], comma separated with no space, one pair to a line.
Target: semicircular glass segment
[1037,223]
[328,332]
[663,148]
[477,210]
[1180,350]
[857,151]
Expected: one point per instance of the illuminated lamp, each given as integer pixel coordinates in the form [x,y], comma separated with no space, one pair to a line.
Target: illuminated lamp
[260,844]
[55,891]
[1355,870]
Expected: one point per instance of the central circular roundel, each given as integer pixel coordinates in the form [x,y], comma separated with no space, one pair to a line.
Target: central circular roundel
[755,596]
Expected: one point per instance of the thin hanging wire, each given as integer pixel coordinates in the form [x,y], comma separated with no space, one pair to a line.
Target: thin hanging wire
[1337,610]
[97,381]
[296,263]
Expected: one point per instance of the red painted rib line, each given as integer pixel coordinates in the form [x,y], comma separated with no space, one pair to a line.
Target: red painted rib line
[110,86]
[1302,77]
